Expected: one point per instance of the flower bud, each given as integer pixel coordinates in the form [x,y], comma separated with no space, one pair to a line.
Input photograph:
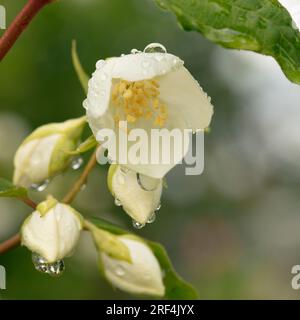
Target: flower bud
[142,276]
[52,230]
[45,152]
[138,194]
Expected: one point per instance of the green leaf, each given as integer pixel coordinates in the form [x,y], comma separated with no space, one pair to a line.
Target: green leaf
[85,146]
[263,26]
[82,75]
[176,287]
[7,189]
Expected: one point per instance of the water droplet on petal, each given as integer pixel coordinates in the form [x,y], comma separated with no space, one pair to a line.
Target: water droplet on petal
[147,183]
[118,203]
[54,269]
[120,271]
[137,225]
[40,186]
[123,55]
[76,163]
[85,104]
[158,207]
[152,218]
[100,64]
[135,51]
[155,47]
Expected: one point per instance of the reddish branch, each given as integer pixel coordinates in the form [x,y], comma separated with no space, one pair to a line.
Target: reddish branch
[19,24]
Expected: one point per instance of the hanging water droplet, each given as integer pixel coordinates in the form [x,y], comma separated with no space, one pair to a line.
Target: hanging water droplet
[137,225]
[155,47]
[40,186]
[100,64]
[83,187]
[76,163]
[152,218]
[147,183]
[54,269]
[118,203]
[158,207]
[135,51]
[120,271]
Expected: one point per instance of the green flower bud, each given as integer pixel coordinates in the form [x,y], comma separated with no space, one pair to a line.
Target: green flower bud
[45,152]
[141,276]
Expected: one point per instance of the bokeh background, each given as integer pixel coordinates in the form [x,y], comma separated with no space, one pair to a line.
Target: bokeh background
[233,231]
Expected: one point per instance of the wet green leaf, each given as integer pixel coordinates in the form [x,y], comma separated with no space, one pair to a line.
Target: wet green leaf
[263,26]
[176,287]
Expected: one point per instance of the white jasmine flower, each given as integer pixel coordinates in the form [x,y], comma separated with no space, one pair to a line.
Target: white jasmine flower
[138,194]
[148,90]
[52,230]
[44,153]
[142,275]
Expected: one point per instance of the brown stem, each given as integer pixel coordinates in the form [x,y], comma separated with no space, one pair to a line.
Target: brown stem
[29,202]
[70,196]
[10,243]
[19,24]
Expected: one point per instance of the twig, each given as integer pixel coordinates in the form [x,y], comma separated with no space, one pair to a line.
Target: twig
[19,24]
[10,243]
[69,197]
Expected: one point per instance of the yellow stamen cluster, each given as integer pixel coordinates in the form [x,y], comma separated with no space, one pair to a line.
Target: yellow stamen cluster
[138,99]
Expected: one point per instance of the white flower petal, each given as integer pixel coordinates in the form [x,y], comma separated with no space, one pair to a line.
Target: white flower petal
[142,276]
[54,234]
[137,202]
[183,95]
[32,160]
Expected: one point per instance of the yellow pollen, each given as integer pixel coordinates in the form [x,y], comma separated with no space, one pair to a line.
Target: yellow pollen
[138,99]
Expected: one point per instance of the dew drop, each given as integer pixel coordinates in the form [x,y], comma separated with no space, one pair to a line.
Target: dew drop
[135,51]
[152,218]
[123,55]
[147,183]
[76,163]
[40,186]
[155,47]
[100,64]
[118,203]
[137,225]
[54,269]
[120,271]
[85,104]
[158,207]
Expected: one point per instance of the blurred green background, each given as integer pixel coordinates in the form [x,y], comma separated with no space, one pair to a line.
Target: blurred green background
[233,231]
